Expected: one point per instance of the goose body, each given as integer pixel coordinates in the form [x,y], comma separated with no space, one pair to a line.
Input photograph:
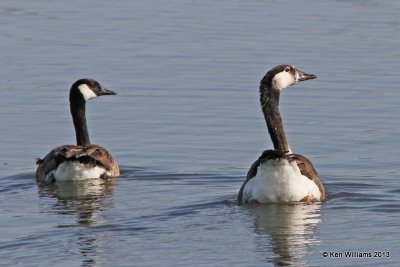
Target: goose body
[278,175]
[84,160]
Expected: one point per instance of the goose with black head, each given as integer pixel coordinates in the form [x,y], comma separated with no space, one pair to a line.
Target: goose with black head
[83,160]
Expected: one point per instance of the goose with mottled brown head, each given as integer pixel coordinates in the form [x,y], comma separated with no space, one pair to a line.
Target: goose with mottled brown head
[279,175]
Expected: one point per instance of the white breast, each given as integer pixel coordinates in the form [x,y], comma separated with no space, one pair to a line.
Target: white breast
[279,181]
[75,171]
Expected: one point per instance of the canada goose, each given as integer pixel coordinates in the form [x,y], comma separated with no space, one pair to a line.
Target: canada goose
[278,175]
[83,160]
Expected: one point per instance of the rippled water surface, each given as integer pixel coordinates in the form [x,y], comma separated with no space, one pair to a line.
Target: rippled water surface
[186,125]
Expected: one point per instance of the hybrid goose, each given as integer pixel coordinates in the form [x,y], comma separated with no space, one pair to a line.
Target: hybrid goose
[278,175]
[83,160]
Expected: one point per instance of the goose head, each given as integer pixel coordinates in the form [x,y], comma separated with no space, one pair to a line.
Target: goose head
[89,88]
[283,76]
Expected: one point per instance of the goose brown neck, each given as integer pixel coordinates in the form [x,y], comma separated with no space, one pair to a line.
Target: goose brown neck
[269,98]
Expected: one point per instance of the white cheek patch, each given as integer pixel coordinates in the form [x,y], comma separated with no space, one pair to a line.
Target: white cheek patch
[86,92]
[283,80]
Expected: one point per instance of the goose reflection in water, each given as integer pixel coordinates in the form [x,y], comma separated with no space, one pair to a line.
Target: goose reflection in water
[290,228]
[87,201]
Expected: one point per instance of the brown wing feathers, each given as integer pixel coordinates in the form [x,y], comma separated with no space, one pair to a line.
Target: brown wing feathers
[90,154]
[307,169]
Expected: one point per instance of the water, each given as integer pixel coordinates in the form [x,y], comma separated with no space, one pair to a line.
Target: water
[186,125]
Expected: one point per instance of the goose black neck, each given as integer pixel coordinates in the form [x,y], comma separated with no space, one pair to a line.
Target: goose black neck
[269,98]
[78,108]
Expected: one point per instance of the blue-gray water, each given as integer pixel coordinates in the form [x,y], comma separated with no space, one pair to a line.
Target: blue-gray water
[186,125]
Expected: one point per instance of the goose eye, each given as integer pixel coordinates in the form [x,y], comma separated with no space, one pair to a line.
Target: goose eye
[287,69]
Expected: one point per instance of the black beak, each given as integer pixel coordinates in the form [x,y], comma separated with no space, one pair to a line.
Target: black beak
[304,76]
[105,91]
